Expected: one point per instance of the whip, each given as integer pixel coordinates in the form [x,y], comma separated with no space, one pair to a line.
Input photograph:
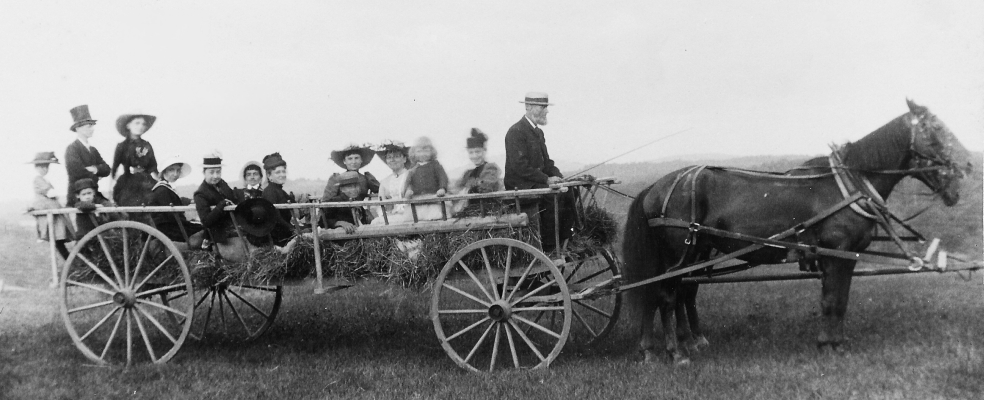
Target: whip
[627,152]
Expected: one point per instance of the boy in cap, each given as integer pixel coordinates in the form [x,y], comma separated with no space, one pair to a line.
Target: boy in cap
[212,195]
[345,218]
[83,161]
[352,158]
[43,200]
[87,201]
[174,225]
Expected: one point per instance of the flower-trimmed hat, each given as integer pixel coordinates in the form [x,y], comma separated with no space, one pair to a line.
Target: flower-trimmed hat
[125,119]
[44,158]
[82,184]
[212,160]
[537,99]
[394,145]
[338,156]
[256,216]
[81,117]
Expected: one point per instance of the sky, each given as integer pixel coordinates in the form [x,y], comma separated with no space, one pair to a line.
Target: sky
[306,77]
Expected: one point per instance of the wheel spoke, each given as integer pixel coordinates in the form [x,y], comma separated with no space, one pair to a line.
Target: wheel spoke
[267,288]
[126,258]
[255,308]
[143,255]
[157,324]
[463,311]
[527,340]
[585,323]
[470,327]
[99,272]
[239,317]
[593,308]
[596,273]
[208,314]
[159,266]
[129,337]
[222,321]
[495,346]
[505,273]
[488,270]
[537,326]
[535,291]
[466,294]
[162,289]
[109,257]
[479,342]
[146,339]
[183,294]
[112,335]
[541,308]
[162,307]
[98,324]
[512,347]
[521,279]
[91,287]
[576,268]
[475,279]
[91,306]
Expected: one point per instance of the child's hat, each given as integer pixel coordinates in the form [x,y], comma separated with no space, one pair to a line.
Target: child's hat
[82,184]
[185,167]
[348,178]
[44,158]
[364,150]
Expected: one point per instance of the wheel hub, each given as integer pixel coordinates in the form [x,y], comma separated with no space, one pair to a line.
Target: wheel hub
[125,298]
[500,311]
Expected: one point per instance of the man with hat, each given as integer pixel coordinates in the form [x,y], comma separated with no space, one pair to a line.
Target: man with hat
[82,160]
[276,170]
[174,225]
[211,197]
[528,166]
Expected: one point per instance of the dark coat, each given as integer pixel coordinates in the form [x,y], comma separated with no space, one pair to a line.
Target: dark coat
[216,221]
[243,194]
[528,165]
[77,157]
[427,178]
[482,179]
[331,216]
[368,184]
[283,231]
[163,195]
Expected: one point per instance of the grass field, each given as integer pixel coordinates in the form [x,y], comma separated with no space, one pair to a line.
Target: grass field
[912,337]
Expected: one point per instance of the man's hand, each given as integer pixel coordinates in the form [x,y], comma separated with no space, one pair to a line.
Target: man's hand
[441,192]
[347,226]
[93,169]
[86,206]
[553,180]
[408,194]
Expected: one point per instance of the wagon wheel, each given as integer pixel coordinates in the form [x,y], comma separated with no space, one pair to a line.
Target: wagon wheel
[594,316]
[109,284]
[485,299]
[235,313]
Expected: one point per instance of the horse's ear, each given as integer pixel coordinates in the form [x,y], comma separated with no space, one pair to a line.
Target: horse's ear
[915,108]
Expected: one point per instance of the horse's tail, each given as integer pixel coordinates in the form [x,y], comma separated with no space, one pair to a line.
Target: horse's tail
[639,253]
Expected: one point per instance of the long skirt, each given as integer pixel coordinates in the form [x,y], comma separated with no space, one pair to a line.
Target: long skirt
[132,189]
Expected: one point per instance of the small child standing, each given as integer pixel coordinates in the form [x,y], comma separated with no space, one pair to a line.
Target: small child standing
[426,179]
[43,200]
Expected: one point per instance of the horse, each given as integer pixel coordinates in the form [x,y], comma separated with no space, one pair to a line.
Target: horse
[914,144]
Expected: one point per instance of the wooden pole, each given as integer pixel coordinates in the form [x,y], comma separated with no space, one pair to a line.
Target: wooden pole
[319,285]
[54,251]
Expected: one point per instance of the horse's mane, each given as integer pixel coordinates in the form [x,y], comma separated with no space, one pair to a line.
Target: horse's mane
[885,148]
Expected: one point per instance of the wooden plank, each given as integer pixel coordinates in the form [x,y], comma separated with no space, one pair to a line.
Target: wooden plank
[425,227]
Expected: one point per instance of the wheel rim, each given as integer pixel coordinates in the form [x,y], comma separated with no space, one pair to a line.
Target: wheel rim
[483,319]
[233,313]
[109,285]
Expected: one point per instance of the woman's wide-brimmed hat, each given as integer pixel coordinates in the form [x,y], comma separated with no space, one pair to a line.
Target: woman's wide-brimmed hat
[537,98]
[256,216]
[80,116]
[185,167]
[338,156]
[242,171]
[82,184]
[44,158]
[394,145]
[212,160]
[125,119]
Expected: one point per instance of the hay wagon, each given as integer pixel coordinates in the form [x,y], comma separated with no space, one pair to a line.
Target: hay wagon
[129,294]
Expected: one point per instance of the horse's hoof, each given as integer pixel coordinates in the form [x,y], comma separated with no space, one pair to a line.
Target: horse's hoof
[680,360]
[649,357]
[702,342]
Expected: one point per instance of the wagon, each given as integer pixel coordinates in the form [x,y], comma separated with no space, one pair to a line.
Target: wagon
[131,295]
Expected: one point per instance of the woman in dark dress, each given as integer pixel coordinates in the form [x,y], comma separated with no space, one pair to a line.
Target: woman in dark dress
[136,156]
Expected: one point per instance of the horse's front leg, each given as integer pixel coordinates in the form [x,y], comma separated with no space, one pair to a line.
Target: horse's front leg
[667,308]
[688,297]
[835,293]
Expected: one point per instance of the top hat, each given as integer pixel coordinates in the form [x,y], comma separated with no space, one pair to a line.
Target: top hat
[338,156]
[125,119]
[44,158]
[272,161]
[256,216]
[81,116]
[537,98]
[477,139]
[212,160]
[185,167]
[84,183]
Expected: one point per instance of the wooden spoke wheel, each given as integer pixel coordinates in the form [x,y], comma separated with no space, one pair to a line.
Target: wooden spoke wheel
[486,298]
[595,315]
[236,313]
[109,285]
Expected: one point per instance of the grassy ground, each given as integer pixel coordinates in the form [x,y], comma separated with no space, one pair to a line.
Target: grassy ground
[913,337]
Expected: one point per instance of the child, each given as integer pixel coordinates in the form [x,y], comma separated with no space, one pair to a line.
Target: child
[85,191]
[252,174]
[44,201]
[174,225]
[345,218]
[352,158]
[427,178]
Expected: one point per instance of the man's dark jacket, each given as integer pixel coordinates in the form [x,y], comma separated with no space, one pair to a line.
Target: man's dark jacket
[77,157]
[528,165]
[283,231]
[215,221]
[163,195]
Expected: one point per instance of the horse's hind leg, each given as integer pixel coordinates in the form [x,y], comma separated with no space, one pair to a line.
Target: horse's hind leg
[835,294]
[667,308]
[646,306]
[688,301]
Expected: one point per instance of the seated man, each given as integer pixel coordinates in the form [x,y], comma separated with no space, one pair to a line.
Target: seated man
[345,218]
[210,198]
[174,225]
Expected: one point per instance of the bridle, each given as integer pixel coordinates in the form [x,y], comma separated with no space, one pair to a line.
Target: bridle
[921,163]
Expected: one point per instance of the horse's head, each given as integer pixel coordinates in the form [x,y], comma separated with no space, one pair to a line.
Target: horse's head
[937,158]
